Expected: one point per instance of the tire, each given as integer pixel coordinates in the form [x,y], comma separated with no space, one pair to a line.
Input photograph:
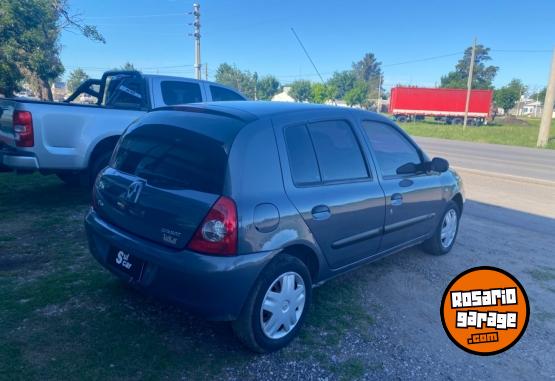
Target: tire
[401,119]
[98,164]
[457,121]
[253,327]
[437,245]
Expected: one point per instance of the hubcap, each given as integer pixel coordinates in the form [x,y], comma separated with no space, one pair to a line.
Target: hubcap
[449,228]
[282,305]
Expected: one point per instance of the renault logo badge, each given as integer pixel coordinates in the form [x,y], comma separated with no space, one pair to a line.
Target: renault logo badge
[134,191]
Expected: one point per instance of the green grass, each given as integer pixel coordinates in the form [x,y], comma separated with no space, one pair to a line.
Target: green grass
[62,316]
[523,134]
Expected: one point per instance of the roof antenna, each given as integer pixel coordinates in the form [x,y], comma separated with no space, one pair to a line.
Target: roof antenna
[308,56]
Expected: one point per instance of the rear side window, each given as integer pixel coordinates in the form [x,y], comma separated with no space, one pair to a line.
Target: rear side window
[125,92]
[302,160]
[179,92]
[173,157]
[337,151]
[223,94]
[392,150]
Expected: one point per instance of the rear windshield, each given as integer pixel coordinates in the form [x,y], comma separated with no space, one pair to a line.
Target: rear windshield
[170,156]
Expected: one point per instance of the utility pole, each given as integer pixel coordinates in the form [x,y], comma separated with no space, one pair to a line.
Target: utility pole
[255,79]
[545,125]
[206,71]
[196,34]
[379,102]
[469,84]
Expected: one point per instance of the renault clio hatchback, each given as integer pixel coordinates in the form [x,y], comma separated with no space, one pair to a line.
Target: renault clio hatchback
[236,210]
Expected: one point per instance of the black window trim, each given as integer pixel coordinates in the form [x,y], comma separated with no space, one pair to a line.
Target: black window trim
[406,137]
[368,178]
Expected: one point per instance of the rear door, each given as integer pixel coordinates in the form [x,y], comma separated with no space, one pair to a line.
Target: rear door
[331,184]
[167,172]
[413,201]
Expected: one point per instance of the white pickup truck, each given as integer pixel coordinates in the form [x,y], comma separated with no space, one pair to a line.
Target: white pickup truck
[75,141]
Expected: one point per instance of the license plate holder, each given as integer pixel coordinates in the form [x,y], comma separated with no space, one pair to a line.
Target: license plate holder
[126,263]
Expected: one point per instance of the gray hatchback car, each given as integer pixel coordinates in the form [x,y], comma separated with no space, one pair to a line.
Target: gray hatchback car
[237,210]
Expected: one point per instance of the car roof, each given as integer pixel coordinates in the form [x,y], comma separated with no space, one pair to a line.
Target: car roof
[252,110]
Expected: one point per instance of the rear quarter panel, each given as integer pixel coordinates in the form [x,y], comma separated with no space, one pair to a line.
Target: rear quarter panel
[255,183]
[65,135]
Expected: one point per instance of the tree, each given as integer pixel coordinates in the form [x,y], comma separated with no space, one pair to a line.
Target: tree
[30,48]
[507,96]
[76,77]
[300,90]
[267,87]
[342,82]
[128,66]
[358,95]
[241,80]
[368,70]
[482,77]
[320,93]
[539,95]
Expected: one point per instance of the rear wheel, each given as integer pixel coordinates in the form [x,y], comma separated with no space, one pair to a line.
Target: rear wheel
[446,232]
[401,119]
[277,306]
[457,121]
[97,164]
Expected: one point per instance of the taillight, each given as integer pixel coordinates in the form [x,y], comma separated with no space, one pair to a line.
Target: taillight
[23,129]
[217,234]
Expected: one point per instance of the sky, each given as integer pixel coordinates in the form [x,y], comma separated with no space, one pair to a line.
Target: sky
[416,41]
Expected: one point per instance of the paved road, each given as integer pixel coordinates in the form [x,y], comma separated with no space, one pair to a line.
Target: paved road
[494,158]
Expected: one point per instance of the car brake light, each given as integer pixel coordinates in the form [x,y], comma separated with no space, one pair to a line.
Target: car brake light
[217,234]
[23,129]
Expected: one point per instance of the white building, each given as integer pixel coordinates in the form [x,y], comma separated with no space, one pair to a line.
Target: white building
[283,96]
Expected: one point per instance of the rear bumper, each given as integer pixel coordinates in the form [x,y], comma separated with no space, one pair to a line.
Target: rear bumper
[16,159]
[214,287]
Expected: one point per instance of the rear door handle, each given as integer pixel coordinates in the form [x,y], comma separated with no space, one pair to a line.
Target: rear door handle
[396,199]
[321,212]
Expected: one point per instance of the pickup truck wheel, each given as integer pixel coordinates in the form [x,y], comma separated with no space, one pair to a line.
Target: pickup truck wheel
[446,232]
[277,306]
[98,164]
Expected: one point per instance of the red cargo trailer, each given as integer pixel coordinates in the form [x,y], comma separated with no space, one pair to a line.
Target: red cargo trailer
[447,105]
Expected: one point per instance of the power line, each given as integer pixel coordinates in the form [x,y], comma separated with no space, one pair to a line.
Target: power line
[423,59]
[305,52]
[520,51]
[133,16]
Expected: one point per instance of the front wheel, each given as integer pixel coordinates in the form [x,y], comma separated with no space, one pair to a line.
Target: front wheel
[446,232]
[277,306]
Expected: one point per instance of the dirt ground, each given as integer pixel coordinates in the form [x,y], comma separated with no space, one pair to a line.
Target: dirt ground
[403,293]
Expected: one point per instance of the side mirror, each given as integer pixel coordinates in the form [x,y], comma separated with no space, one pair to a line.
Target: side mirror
[439,165]
[406,169]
